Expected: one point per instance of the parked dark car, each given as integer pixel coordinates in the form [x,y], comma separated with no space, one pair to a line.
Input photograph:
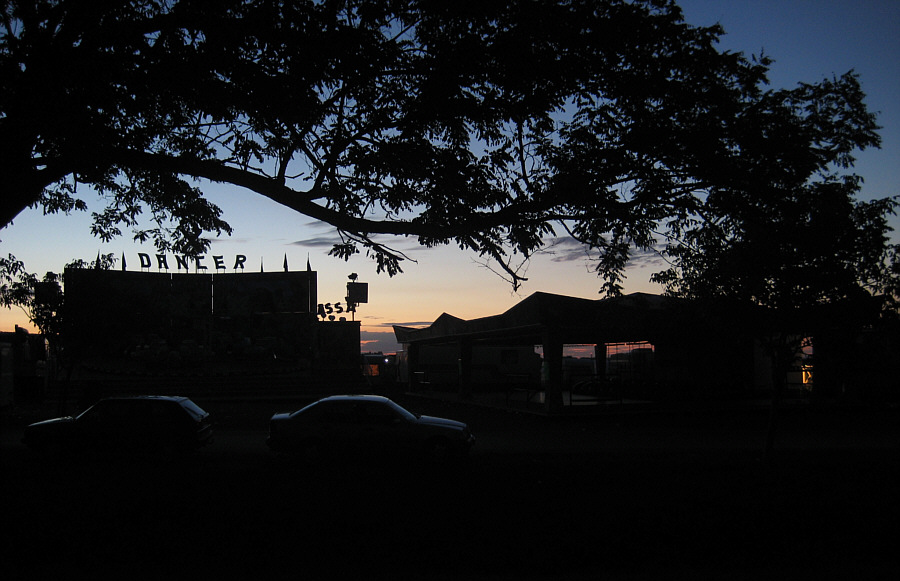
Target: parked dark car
[132,425]
[365,425]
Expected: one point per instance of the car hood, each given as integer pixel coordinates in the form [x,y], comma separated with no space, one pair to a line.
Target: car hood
[52,423]
[441,422]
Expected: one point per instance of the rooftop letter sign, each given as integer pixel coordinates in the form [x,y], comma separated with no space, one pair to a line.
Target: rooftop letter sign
[182,262]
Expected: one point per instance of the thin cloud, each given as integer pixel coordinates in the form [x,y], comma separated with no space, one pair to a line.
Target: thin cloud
[404,245]
[374,341]
[230,240]
[318,224]
[568,249]
[646,259]
[408,324]
[316,242]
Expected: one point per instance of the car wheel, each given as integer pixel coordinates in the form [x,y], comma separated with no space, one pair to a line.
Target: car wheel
[50,449]
[171,452]
[310,450]
[438,449]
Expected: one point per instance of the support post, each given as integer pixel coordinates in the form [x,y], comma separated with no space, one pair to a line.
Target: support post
[552,375]
[465,368]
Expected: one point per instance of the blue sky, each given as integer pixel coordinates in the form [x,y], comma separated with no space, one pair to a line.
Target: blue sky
[809,40]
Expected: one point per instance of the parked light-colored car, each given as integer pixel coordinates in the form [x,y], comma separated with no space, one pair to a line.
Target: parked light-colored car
[365,425]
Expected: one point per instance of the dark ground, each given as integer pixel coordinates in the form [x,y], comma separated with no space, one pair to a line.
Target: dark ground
[624,496]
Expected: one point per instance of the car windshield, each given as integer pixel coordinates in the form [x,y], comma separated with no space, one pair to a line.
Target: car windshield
[402,411]
[303,409]
[406,414]
[193,409]
[105,409]
[86,412]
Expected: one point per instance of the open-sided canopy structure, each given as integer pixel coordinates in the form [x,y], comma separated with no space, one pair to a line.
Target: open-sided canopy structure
[695,345]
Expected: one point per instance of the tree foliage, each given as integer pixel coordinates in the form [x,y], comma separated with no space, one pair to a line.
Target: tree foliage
[811,246]
[41,298]
[488,125]
[795,236]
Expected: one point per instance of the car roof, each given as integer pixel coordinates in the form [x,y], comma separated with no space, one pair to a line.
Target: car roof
[177,398]
[355,397]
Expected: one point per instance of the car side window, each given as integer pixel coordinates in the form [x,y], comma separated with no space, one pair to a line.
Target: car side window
[106,412]
[95,413]
[374,413]
[136,412]
[334,412]
[163,412]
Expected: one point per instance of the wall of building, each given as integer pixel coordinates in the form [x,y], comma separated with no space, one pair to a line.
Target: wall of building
[169,322]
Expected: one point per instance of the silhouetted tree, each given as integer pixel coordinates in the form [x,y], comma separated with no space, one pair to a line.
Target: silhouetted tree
[489,125]
[795,256]
[39,298]
[42,299]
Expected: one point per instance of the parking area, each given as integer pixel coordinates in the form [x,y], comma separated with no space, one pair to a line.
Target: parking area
[619,496]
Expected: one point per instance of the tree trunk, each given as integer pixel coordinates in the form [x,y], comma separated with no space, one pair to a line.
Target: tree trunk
[772,425]
[782,356]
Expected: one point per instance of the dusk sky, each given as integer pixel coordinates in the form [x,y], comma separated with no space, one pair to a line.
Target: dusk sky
[809,40]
